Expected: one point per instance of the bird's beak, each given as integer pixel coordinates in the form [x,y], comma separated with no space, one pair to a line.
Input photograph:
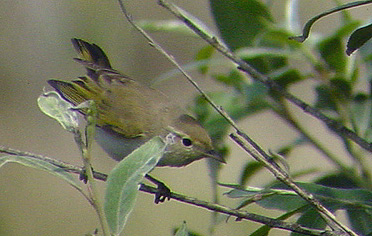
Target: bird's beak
[214,155]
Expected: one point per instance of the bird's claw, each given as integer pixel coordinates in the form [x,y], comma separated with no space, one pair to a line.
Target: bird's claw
[162,194]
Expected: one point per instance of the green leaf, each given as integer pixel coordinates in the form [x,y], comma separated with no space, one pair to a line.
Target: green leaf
[311,219]
[249,170]
[204,54]
[337,180]
[182,231]
[332,51]
[360,220]
[53,105]
[309,23]
[341,89]
[324,98]
[332,48]
[357,202]
[336,198]
[282,198]
[240,21]
[233,79]
[42,165]
[361,116]
[287,77]
[358,38]
[123,182]
[264,230]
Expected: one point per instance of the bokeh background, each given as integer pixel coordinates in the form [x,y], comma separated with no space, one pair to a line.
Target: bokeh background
[35,46]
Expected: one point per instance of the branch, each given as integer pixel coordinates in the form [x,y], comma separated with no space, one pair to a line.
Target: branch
[257,153]
[274,223]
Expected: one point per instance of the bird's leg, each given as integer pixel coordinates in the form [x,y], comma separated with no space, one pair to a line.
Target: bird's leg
[163,192]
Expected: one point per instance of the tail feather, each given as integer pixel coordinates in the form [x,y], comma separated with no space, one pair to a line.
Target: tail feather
[75,92]
[91,53]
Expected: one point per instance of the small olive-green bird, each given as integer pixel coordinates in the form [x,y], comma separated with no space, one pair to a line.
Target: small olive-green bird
[130,113]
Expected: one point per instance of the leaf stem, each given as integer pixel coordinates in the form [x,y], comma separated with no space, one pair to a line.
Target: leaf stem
[86,156]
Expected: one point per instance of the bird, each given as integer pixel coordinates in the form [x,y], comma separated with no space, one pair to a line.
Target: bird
[130,113]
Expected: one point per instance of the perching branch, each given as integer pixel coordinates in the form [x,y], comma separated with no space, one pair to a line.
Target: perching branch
[263,157]
[239,214]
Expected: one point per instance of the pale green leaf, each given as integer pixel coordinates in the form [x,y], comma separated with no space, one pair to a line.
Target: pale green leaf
[42,165]
[53,105]
[123,182]
[182,231]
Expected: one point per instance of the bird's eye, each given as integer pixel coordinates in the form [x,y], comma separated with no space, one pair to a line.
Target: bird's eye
[186,142]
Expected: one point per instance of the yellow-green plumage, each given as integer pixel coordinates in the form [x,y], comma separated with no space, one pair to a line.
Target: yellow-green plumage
[130,113]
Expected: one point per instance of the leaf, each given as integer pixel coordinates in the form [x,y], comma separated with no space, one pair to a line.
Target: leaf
[337,180]
[53,105]
[360,220]
[264,230]
[358,38]
[309,23]
[332,51]
[123,182]
[249,170]
[332,48]
[282,198]
[324,98]
[182,231]
[204,54]
[233,79]
[42,165]
[311,219]
[240,21]
[341,88]
[361,115]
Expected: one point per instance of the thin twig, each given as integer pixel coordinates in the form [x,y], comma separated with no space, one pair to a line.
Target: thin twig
[274,223]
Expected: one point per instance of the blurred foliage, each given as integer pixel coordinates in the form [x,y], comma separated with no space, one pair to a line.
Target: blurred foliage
[249,29]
